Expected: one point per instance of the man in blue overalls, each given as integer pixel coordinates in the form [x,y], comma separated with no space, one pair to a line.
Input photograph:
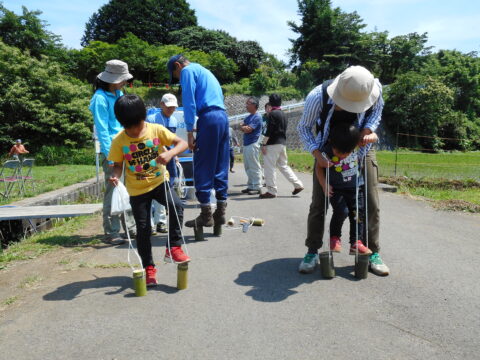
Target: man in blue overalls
[202,96]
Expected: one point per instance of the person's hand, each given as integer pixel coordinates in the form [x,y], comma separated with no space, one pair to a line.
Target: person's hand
[321,160]
[164,157]
[328,193]
[191,141]
[367,137]
[264,150]
[113,180]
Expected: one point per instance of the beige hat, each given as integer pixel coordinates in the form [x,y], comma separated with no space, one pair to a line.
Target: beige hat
[354,90]
[115,72]
[169,100]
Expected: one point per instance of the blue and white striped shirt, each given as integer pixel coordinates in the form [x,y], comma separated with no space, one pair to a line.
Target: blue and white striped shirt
[311,114]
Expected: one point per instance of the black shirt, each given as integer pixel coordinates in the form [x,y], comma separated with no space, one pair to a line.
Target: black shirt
[277,128]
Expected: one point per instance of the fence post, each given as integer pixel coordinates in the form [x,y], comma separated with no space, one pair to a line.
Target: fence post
[396,156]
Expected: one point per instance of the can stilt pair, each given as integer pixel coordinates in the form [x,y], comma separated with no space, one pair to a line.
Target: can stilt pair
[328,268]
[140,281]
[198,231]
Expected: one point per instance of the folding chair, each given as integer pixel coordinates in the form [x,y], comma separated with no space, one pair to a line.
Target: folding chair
[10,175]
[28,177]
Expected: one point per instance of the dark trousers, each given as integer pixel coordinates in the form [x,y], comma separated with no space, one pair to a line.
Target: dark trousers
[315,221]
[232,158]
[344,204]
[211,156]
[141,206]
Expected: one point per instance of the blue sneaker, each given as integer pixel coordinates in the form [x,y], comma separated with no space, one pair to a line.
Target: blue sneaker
[377,266]
[308,263]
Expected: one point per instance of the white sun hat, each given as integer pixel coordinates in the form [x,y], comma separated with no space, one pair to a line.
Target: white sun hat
[354,90]
[115,72]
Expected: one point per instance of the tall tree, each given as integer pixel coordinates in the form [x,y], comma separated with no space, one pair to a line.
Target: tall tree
[326,35]
[28,32]
[149,20]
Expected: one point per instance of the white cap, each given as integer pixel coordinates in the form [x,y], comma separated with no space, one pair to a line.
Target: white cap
[169,100]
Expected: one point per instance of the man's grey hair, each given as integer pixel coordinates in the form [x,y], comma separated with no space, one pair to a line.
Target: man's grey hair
[254,101]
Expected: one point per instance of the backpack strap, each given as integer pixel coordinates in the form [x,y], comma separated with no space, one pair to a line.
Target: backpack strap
[325,106]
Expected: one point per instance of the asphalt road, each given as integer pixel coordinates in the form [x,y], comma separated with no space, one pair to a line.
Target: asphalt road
[246,300]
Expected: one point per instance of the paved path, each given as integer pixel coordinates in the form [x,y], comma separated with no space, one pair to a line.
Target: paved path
[246,299]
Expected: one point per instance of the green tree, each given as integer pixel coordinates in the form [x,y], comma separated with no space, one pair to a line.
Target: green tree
[40,104]
[327,35]
[28,32]
[246,54]
[149,20]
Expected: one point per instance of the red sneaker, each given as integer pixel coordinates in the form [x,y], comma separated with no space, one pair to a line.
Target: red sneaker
[362,249]
[151,275]
[176,255]
[335,244]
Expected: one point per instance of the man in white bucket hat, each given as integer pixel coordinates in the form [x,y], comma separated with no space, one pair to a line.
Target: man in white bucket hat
[108,85]
[353,97]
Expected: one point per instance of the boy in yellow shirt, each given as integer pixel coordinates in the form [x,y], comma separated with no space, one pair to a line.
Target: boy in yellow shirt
[141,147]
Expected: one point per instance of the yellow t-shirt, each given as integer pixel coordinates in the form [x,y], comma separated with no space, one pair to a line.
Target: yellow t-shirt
[142,172]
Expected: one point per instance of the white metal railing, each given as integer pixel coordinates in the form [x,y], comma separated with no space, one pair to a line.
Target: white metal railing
[236,118]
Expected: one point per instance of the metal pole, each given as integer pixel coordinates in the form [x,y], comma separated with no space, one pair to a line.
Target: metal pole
[396,155]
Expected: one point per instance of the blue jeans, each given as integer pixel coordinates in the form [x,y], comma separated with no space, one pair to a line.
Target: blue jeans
[251,161]
[343,204]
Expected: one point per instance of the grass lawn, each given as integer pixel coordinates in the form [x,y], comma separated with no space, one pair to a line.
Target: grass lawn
[460,190]
[48,178]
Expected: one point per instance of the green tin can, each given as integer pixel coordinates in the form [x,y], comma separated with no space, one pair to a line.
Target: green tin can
[182,276]
[198,231]
[361,266]
[258,222]
[139,282]
[326,265]
[217,230]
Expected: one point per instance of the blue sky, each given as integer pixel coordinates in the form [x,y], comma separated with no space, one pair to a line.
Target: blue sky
[450,24]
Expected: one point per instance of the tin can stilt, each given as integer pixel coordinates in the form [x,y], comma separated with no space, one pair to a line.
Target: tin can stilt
[139,282]
[198,231]
[217,230]
[182,276]
[326,265]
[361,266]
[258,222]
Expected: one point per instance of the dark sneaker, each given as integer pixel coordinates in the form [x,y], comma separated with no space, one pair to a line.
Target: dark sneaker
[362,249]
[297,190]
[114,240]
[151,273]
[335,244]
[176,255]
[267,195]
[154,231]
[377,266]
[162,228]
[253,192]
[247,190]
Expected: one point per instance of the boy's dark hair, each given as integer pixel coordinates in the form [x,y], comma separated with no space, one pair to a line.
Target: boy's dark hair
[344,138]
[275,100]
[130,110]
[267,104]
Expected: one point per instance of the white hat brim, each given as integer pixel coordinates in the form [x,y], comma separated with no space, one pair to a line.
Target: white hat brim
[114,78]
[352,106]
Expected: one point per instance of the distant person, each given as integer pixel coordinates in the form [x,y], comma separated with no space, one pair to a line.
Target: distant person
[233,143]
[342,187]
[202,96]
[252,129]
[108,85]
[274,150]
[141,150]
[353,97]
[18,150]
[168,105]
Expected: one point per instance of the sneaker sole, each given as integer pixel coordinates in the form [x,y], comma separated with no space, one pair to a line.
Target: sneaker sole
[359,253]
[171,261]
[152,284]
[378,273]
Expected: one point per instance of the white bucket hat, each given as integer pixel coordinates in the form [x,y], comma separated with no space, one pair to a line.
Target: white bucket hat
[354,90]
[115,72]
[169,100]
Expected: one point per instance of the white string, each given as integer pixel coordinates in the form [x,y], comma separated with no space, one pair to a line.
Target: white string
[365,181]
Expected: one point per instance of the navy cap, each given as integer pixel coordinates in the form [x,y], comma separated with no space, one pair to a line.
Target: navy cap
[171,65]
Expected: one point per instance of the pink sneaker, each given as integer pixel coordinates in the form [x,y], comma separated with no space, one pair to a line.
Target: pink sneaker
[151,273]
[176,255]
[335,244]
[362,249]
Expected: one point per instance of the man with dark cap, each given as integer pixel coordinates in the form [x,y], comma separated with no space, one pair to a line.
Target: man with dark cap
[202,96]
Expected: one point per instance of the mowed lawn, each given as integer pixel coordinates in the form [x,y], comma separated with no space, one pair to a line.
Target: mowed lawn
[454,166]
[48,178]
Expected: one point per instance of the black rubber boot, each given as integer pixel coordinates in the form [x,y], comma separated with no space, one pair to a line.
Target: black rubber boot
[204,219]
[219,214]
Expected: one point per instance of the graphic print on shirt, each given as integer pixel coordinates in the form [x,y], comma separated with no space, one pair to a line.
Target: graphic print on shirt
[347,166]
[142,158]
